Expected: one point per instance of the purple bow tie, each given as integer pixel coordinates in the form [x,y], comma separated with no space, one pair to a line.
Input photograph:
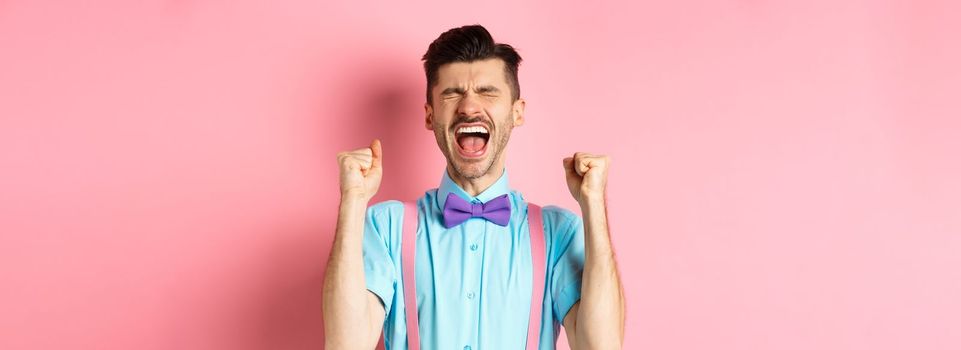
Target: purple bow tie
[457,210]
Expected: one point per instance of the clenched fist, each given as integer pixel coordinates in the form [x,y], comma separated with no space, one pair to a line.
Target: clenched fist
[360,171]
[586,176]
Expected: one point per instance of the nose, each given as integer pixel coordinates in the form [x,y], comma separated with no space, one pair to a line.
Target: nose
[469,105]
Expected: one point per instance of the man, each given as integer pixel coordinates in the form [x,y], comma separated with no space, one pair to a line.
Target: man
[473,277]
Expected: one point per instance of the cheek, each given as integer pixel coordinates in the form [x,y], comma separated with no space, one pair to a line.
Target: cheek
[439,118]
[501,114]
[444,113]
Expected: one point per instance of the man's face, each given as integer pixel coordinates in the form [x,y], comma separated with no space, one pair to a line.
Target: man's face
[472,115]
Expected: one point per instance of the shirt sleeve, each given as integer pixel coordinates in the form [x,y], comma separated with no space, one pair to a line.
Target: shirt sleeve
[566,231]
[379,268]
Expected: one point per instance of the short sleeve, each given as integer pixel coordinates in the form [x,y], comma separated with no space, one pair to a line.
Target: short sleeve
[566,232]
[381,221]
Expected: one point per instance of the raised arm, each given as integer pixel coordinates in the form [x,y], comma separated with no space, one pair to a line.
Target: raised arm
[597,320]
[352,315]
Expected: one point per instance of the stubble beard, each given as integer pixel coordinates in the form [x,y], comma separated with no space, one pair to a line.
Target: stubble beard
[473,170]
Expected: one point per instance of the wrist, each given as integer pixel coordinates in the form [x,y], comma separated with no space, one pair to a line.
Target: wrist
[592,201]
[354,197]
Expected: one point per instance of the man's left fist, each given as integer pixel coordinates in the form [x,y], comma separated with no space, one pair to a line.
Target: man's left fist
[586,176]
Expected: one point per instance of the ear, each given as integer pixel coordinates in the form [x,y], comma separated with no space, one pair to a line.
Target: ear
[428,116]
[517,111]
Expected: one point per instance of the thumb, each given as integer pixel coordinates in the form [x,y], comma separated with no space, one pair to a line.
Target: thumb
[569,167]
[376,154]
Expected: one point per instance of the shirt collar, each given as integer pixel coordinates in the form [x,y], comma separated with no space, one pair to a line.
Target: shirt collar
[447,185]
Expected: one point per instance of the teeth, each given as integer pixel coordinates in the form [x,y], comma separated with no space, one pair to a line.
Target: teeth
[472,129]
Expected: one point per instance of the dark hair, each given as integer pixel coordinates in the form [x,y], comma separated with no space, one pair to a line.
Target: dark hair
[468,44]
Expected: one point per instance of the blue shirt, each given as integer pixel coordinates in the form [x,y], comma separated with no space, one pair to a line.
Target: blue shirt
[473,280]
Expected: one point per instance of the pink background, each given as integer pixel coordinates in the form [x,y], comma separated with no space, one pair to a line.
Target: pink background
[786,175]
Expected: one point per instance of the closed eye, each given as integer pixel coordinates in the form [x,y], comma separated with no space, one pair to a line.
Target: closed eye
[451,91]
[488,90]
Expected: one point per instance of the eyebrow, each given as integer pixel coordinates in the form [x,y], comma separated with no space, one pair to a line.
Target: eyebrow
[460,91]
[487,88]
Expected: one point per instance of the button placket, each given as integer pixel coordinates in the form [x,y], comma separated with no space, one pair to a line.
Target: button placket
[475,233]
[477,230]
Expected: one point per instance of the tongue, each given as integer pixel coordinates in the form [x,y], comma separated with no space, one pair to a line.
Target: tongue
[472,143]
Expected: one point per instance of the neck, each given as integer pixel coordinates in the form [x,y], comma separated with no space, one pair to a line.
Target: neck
[477,185]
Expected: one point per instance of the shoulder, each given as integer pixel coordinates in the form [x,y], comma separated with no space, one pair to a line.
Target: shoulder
[392,210]
[385,209]
[553,215]
[384,217]
[383,223]
[564,232]
[560,223]
[559,215]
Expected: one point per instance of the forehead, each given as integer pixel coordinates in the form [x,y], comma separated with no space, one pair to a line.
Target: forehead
[489,71]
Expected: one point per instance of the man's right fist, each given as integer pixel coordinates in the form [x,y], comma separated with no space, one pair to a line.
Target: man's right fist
[360,171]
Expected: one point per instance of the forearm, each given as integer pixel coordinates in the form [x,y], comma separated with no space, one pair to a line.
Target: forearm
[346,314]
[600,318]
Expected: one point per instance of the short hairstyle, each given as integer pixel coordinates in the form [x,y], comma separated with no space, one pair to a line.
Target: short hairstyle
[468,44]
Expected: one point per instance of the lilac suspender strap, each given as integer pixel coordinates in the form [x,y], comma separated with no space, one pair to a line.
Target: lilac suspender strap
[408,249]
[407,256]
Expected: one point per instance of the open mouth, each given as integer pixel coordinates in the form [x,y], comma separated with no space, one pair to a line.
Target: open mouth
[472,140]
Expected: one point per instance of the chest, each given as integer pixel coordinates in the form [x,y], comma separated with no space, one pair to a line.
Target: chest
[475,261]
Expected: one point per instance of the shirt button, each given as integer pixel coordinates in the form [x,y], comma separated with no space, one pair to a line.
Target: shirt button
[466,347]
[470,296]
[473,246]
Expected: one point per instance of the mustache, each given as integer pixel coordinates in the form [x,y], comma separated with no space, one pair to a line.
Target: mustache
[465,120]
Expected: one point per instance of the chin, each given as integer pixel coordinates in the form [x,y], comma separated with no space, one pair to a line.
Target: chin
[472,169]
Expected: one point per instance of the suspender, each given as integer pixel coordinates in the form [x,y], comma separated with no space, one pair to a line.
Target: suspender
[534,220]
[408,244]
[408,249]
